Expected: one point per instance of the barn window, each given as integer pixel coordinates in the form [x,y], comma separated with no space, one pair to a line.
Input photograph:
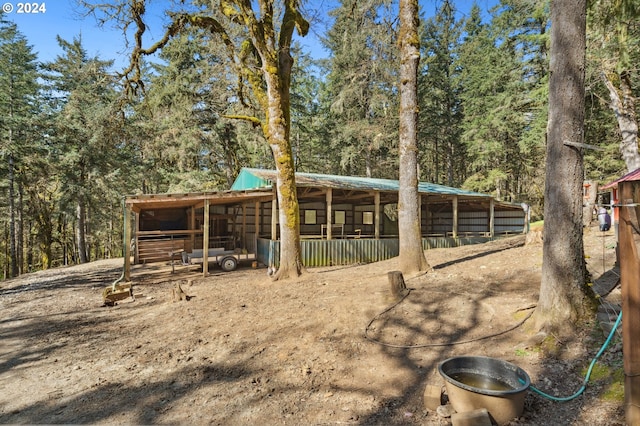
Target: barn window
[309,217]
[367,218]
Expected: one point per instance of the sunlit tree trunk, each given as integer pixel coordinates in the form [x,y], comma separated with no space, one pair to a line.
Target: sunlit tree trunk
[277,131]
[411,253]
[623,104]
[80,231]
[13,253]
[564,294]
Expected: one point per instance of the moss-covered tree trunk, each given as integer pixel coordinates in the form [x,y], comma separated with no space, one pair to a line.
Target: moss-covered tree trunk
[277,74]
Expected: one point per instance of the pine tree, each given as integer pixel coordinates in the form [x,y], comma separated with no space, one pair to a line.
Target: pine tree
[565,298]
[188,142]
[441,111]
[18,76]
[309,129]
[503,89]
[85,129]
[411,257]
[361,87]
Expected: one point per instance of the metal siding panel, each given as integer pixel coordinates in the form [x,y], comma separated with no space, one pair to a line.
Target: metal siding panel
[509,213]
[348,252]
[263,250]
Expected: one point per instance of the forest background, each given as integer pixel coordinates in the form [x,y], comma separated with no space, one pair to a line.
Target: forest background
[73,140]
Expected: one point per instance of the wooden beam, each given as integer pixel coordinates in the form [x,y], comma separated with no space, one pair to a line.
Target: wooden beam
[491,218]
[454,228]
[244,225]
[192,226]
[136,234]
[256,221]
[274,216]
[205,240]
[420,201]
[376,214]
[629,245]
[311,192]
[126,241]
[329,208]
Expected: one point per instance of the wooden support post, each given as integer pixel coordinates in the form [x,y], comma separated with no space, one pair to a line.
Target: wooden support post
[205,240]
[629,242]
[258,213]
[244,225]
[454,228]
[134,233]
[329,197]
[420,201]
[126,241]
[492,215]
[376,215]
[192,226]
[274,216]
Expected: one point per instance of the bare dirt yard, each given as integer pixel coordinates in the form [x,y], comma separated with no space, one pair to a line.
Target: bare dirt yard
[246,350]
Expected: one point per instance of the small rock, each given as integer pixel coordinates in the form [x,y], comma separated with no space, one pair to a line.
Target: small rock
[445,411]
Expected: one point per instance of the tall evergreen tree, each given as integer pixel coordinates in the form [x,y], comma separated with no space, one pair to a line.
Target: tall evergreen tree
[85,128]
[411,253]
[504,89]
[565,298]
[18,76]
[188,141]
[442,152]
[309,132]
[361,87]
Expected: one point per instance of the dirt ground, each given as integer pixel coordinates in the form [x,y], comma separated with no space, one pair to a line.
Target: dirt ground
[246,350]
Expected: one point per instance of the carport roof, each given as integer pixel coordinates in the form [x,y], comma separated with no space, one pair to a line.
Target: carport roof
[154,201]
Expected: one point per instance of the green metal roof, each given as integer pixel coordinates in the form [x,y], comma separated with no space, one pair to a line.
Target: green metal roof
[258,178]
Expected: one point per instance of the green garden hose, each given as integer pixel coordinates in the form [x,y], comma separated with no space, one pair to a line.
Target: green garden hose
[586,378]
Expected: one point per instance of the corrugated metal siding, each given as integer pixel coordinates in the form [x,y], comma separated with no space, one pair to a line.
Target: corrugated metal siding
[347,252]
[449,242]
[509,224]
[438,242]
[268,252]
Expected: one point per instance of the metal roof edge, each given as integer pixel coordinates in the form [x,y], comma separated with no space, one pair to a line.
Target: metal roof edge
[364,182]
[628,177]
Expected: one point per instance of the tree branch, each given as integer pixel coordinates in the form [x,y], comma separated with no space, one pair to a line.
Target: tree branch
[251,119]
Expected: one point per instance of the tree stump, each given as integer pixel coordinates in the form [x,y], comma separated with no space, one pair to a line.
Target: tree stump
[179,294]
[398,286]
[533,237]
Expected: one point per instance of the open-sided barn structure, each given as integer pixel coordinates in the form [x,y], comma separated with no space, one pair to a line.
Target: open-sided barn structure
[344,219]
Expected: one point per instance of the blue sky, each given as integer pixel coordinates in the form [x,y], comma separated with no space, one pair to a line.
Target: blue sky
[61,17]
